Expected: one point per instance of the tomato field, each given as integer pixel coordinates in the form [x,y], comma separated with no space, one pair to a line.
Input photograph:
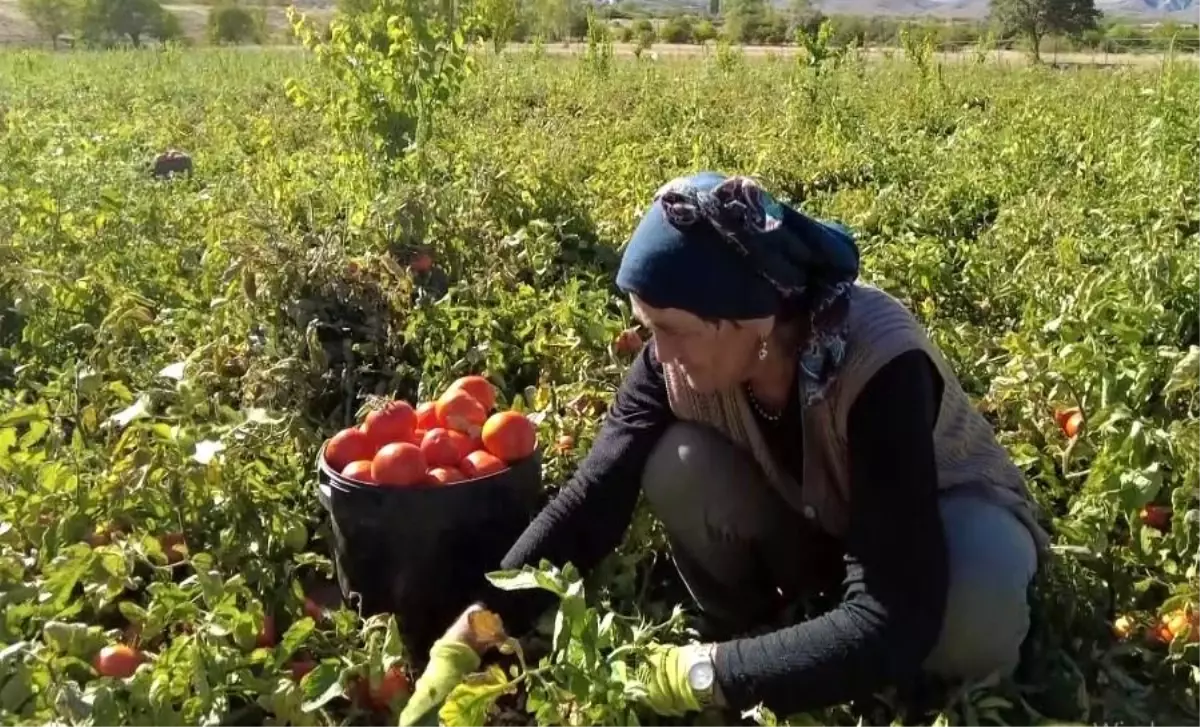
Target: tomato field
[174,350]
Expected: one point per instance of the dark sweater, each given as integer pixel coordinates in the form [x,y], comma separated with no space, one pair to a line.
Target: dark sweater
[896,582]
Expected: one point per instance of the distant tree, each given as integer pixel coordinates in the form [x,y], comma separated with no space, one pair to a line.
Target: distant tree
[677,29]
[744,20]
[230,23]
[51,17]
[643,29]
[105,21]
[704,32]
[501,18]
[714,7]
[1035,19]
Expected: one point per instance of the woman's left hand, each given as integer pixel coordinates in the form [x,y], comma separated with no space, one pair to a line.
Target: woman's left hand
[665,676]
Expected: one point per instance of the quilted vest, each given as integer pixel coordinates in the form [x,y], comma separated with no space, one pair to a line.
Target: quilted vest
[879,329]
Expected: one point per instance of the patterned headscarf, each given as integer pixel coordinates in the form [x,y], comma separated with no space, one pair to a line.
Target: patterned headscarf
[724,248]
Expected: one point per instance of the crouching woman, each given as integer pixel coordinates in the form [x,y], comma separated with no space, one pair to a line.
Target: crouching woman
[793,430]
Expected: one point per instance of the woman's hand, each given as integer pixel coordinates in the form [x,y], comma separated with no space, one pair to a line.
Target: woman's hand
[664,673]
[451,658]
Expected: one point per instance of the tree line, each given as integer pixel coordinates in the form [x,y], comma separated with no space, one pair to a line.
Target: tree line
[1021,24]
[106,23]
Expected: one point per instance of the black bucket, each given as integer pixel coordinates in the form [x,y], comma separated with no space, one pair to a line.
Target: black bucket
[421,552]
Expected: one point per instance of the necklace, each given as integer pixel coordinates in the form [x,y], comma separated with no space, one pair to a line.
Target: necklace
[773,418]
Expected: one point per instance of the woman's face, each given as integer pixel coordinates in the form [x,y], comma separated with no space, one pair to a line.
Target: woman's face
[713,356]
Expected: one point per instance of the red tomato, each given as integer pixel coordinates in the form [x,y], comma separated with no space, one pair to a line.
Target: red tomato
[359,470]
[427,415]
[301,667]
[439,449]
[118,661]
[379,697]
[1156,516]
[393,423]
[445,475]
[509,435]
[398,465]
[481,463]
[464,444]
[313,610]
[347,446]
[422,263]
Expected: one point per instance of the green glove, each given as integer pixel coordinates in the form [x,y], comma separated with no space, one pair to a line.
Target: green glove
[665,675]
[449,662]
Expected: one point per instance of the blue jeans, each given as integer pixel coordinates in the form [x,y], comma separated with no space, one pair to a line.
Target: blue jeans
[743,554]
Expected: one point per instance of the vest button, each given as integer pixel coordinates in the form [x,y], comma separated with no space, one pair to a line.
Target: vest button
[810,512]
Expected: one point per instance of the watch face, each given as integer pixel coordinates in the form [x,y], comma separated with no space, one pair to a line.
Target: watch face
[700,676]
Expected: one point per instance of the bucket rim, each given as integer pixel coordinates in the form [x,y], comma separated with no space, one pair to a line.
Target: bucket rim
[347,484]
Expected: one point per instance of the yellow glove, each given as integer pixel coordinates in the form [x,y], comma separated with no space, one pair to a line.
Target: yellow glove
[665,675]
[449,662]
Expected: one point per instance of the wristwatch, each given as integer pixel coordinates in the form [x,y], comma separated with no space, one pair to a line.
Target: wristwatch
[702,673]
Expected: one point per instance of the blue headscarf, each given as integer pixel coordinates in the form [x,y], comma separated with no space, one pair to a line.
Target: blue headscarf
[723,248]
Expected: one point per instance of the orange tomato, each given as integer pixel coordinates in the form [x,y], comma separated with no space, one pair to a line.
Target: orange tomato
[347,446]
[359,470]
[118,661]
[395,422]
[565,444]
[1073,425]
[445,475]
[460,411]
[481,463]
[439,449]
[478,387]
[509,435]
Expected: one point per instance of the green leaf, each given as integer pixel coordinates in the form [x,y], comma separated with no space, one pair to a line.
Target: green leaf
[321,685]
[524,579]
[76,639]
[295,637]
[23,415]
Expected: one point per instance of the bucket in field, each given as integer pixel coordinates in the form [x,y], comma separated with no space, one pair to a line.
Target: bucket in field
[421,552]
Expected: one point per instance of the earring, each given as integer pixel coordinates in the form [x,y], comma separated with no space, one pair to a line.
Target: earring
[762,349]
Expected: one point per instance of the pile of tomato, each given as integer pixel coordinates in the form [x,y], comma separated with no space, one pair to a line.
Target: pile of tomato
[457,437]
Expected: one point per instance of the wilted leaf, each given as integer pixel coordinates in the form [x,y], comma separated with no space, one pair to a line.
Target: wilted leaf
[486,627]
[136,410]
[469,702]
[1186,374]
[206,450]
[174,371]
